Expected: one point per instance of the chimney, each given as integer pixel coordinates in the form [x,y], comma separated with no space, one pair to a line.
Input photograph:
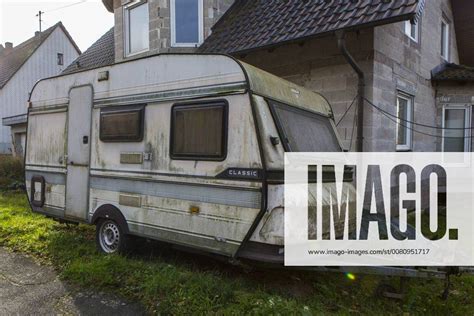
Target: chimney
[8,47]
[37,33]
[1,49]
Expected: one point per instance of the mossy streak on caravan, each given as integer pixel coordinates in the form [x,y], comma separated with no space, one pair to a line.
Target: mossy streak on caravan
[186,149]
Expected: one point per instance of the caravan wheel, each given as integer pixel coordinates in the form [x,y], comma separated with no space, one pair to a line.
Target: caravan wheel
[110,237]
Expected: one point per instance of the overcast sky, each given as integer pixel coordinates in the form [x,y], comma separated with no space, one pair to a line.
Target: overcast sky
[85,20]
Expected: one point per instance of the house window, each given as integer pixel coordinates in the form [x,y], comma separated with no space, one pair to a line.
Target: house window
[412,31]
[199,131]
[445,39]
[457,132]
[136,28]
[186,23]
[60,59]
[124,124]
[405,118]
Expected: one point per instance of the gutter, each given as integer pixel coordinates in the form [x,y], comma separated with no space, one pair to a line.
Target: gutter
[14,120]
[341,43]
[109,5]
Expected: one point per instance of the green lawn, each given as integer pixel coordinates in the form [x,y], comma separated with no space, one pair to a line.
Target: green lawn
[172,282]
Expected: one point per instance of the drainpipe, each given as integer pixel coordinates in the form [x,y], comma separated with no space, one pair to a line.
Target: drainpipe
[341,43]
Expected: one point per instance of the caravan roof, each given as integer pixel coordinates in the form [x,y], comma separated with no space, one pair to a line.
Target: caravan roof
[166,73]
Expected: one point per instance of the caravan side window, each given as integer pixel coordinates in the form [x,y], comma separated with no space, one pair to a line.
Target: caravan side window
[199,131]
[122,124]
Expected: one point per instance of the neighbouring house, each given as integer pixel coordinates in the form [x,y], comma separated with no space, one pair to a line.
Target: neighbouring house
[44,55]
[404,65]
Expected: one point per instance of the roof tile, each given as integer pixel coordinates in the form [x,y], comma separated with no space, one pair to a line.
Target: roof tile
[251,24]
[100,54]
[453,72]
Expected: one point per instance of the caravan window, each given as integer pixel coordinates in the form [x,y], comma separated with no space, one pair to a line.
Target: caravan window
[304,131]
[199,131]
[124,124]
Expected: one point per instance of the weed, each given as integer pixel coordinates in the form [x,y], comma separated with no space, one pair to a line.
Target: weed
[171,282]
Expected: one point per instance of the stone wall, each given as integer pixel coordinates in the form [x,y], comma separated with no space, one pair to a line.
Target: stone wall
[160,26]
[392,62]
[318,65]
[400,64]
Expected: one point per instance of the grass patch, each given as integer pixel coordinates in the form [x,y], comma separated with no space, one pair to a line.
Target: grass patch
[171,282]
[11,173]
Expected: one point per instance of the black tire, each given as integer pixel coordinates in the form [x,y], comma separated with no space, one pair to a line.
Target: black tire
[111,238]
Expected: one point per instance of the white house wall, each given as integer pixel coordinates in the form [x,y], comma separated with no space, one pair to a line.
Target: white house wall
[42,64]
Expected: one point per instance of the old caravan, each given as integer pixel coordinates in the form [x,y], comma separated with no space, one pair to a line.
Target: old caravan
[186,149]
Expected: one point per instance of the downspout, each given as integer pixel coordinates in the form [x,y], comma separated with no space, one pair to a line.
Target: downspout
[341,43]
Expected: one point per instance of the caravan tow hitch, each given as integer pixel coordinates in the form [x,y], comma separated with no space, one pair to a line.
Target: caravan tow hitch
[387,290]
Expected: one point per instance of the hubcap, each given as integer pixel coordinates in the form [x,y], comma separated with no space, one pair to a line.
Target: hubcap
[109,237]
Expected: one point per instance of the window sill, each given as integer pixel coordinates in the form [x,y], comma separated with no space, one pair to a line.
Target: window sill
[136,54]
[177,45]
[412,39]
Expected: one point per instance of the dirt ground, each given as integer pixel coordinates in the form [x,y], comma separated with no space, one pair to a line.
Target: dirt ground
[27,288]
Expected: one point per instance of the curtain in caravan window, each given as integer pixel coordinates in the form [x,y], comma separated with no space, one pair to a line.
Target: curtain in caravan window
[199,131]
[121,125]
[306,131]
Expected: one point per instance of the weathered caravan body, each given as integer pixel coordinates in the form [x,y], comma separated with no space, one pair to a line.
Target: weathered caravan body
[186,149]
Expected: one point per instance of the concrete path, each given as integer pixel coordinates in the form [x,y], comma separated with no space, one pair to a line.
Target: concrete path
[27,288]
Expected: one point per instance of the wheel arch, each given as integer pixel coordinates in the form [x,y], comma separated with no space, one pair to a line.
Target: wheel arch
[108,211]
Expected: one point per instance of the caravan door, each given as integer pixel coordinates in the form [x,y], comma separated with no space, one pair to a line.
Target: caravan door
[78,152]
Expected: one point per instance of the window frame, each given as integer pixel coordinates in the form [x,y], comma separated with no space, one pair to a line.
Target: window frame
[225,126]
[272,104]
[60,59]
[467,124]
[126,28]
[124,109]
[200,25]
[445,47]
[408,26]
[408,126]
